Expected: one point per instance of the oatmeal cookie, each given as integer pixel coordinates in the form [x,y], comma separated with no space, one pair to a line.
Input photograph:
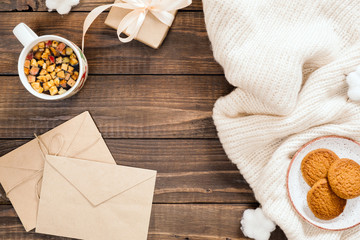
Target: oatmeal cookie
[344,178]
[316,164]
[323,202]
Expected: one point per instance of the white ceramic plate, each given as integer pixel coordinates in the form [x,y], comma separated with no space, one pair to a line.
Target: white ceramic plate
[297,187]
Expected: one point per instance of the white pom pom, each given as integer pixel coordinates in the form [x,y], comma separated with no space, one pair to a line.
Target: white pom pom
[61,6]
[52,4]
[354,93]
[358,70]
[353,79]
[63,9]
[255,224]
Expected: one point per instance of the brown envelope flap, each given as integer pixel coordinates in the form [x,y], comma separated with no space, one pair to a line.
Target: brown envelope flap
[82,132]
[10,178]
[29,156]
[98,181]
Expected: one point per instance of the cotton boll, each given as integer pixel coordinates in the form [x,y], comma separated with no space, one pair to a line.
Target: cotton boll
[52,4]
[353,79]
[255,224]
[63,9]
[354,93]
[61,6]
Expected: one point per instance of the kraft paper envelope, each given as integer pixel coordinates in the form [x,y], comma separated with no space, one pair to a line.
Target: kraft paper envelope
[94,200]
[21,169]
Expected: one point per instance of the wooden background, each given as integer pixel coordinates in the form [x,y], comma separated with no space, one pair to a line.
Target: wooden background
[153,108]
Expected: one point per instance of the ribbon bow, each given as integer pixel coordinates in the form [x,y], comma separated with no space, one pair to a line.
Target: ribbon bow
[133,21]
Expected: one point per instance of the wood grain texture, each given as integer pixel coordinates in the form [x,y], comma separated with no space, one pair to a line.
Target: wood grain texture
[186,50]
[168,222]
[84,5]
[152,106]
[189,170]
[122,106]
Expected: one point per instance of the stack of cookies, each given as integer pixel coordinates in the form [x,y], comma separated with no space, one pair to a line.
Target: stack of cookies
[332,181]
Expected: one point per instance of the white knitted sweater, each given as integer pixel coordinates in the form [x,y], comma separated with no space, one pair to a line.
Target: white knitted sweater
[287,59]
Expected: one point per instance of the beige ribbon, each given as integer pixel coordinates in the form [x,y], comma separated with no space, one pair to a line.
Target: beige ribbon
[133,21]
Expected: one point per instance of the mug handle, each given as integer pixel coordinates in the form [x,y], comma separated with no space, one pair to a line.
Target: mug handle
[24,34]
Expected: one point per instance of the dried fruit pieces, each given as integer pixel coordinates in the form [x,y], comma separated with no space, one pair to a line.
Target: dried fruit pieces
[31,78]
[61,47]
[34,70]
[68,51]
[37,87]
[73,61]
[29,56]
[61,91]
[33,63]
[41,45]
[51,67]
[27,64]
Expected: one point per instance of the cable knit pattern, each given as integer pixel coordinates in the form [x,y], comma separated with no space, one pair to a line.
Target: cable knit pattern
[288,60]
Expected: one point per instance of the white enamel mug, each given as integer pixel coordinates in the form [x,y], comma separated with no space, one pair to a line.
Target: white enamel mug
[29,39]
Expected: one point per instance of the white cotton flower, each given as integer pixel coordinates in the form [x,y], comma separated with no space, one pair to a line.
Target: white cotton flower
[354,93]
[353,80]
[63,9]
[52,4]
[256,225]
[61,6]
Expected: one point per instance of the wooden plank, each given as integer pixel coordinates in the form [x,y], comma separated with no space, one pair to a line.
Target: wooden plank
[84,5]
[3,198]
[189,171]
[168,221]
[186,50]
[122,106]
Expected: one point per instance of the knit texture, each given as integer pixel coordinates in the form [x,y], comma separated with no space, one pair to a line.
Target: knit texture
[287,60]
